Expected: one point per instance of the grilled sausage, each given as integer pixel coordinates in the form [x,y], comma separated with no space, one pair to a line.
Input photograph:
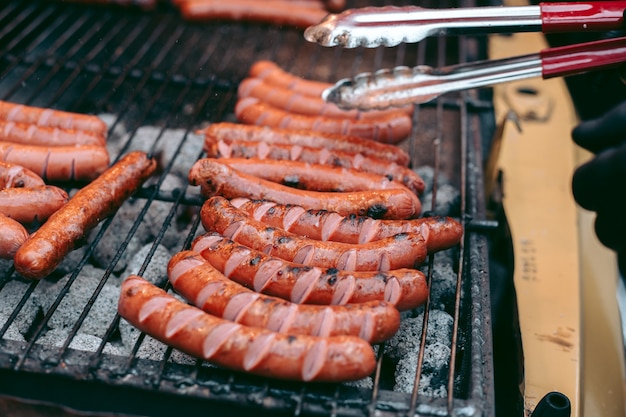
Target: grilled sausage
[30,134]
[215,177]
[43,117]
[32,205]
[242,348]
[246,133]
[47,247]
[298,16]
[314,177]
[293,101]
[12,236]
[440,232]
[283,152]
[58,163]
[203,285]
[390,128]
[404,288]
[273,74]
[404,250]
[16,176]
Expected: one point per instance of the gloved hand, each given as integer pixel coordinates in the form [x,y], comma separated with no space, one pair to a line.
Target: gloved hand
[600,184]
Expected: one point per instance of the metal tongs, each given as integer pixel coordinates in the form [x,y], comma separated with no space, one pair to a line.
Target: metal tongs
[389,26]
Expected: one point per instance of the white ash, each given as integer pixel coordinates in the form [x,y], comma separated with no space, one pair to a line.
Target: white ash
[407,340]
[427,173]
[443,280]
[81,341]
[10,296]
[448,201]
[156,270]
[367,383]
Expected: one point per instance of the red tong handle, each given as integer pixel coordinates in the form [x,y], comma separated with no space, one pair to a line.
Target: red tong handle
[578,58]
[582,16]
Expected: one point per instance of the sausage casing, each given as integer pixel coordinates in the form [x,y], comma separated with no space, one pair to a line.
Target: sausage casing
[13,235]
[16,176]
[29,134]
[242,348]
[33,204]
[207,288]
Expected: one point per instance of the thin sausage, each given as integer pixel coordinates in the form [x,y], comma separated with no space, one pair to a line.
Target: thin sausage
[238,347]
[314,177]
[32,205]
[216,178]
[12,236]
[391,128]
[293,101]
[440,232]
[246,133]
[404,288]
[58,163]
[59,119]
[16,176]
[30,134]
[252,11]
[46,248]
[273,74]
[404,250]
[207,288]
[335,158]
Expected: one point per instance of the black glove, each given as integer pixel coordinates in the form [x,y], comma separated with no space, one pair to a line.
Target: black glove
[600,184]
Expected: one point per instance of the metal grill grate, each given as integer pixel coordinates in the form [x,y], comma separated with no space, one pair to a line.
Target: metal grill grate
[142,69]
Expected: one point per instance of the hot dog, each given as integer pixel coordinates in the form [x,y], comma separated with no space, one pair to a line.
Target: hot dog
[405,250]
[315,177]
[47,247]
[336,158]
[440,232]
[242,348]
[390,128]
[12,236]
[30,134]
[299,16]
[404,288]
[233,131]
[293,101]
[16,176]
[215,177]
[43,117]
[273,74]
[203,285]
[32,205]
[58,163]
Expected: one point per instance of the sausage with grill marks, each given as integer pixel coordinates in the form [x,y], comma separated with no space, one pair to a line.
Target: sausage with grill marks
[30,134]
[390,128]
[273,74]
[33,204]
[58,163]
[203,285]
[43,117]
[312,155]
[16,176]
[314,177]
[404,288]
[246,133]
[12,236]
[404,250]
[46,248]
[242,348]
[216,178]
[440,232]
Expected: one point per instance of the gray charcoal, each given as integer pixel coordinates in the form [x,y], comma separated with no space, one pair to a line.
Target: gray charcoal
[156,271]
[366,383]
[427,173]
[443,282]
[406,341]
[12,332]
[448,201]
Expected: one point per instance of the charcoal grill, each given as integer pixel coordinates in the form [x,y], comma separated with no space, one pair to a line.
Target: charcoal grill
[139,69]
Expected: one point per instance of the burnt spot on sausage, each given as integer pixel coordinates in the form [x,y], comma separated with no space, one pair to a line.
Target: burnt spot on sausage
[332,274]
[377,211]
[401,236]
[292,181]
[389,177]
[291,338]
[255,261]
[283,239]
[271,210]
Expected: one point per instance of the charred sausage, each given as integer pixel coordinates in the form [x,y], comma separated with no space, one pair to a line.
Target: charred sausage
[440,232]
[58,163]
[19,113]
[16,176]
[404,288]
[207,288]
[12,236]
[308,154]
[30,134]
[390,128]
[314,177]
[216,178]
[246,133]
[47,247]
[32,205]
[404,250]
[242,348]
[273,74]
